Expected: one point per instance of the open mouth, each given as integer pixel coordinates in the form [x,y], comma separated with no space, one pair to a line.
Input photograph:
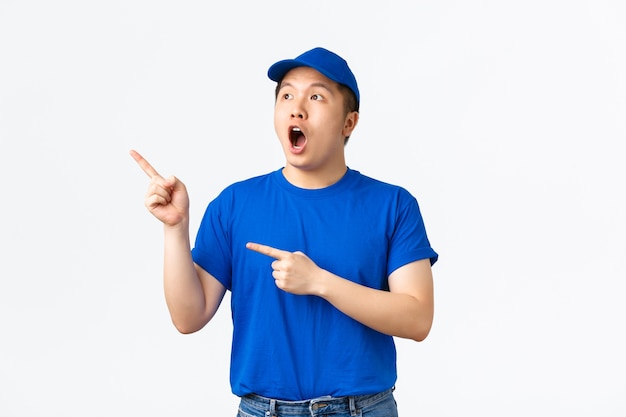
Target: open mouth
[296,137]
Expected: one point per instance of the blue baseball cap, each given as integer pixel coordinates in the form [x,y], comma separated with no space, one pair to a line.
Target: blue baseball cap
[326,62]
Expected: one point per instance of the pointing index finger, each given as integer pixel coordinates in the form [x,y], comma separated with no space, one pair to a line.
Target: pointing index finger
[267,250]
[145,166]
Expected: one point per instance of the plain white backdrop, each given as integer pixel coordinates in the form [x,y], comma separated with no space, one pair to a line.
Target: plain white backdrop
[505,119]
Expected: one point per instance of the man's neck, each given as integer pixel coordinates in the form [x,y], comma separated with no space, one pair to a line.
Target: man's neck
[313,179]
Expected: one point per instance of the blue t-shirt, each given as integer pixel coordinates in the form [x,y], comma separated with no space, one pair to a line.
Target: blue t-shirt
[296,347]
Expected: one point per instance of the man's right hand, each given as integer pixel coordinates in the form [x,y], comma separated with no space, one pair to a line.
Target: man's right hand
[167,198]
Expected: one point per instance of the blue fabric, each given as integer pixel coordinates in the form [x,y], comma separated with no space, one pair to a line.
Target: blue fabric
[294,347]
[326,62]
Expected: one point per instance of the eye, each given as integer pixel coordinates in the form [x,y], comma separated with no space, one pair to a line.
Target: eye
[287,96]
[317,97]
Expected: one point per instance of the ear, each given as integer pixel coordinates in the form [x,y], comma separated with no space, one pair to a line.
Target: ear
[350,123]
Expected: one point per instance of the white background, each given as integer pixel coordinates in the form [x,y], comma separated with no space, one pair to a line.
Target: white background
[505,119]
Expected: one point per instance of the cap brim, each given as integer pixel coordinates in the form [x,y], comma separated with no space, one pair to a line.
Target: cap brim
[277,71]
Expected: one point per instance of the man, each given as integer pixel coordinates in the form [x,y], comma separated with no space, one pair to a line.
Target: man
[324,264]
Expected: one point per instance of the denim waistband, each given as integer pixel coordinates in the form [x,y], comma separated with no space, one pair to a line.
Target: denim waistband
[314,406]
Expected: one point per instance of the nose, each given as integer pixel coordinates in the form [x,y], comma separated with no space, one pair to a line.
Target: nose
[298,111]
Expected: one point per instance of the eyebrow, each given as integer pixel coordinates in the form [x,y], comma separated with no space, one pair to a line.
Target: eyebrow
[316,84]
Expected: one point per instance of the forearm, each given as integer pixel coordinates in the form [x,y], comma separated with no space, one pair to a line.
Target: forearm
[395,314]
[406,310]
[183,289]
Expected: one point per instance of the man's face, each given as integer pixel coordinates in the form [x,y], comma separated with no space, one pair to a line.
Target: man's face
[310,121]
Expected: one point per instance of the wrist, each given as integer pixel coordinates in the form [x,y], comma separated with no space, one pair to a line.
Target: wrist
[181,227]
[323,283]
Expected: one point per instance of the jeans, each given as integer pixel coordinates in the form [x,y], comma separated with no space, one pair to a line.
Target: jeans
[376,405]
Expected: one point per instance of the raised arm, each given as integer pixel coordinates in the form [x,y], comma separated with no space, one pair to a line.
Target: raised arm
[191,293]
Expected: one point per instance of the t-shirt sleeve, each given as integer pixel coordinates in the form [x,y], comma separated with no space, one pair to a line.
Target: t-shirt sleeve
[212,249]
[409,241]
